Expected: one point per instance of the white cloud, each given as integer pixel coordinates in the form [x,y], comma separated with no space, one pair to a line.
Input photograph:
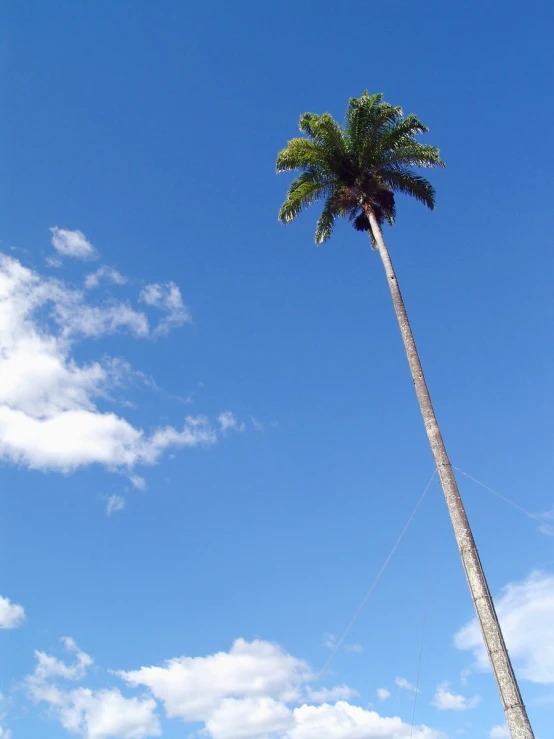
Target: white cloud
[329,640]
[327,695]
[406,685]
[227,422]
[11,614]
[257,425]
[104,274]
[115,503]
[48,413]
[353,648]
[49,667]
[499,732]
[191,688]
[345,721]
[253,691]
[81,320]
[100,714]
[248,717]
[546,522]
[383,694]
[4,733]
[167,297]
[138,482]
[76,438]
[526,613]
[105,714]
[54,262]
[446,700]
[72,243]
[246,694]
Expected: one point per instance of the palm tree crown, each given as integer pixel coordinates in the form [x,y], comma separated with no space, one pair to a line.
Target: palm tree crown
[357,166]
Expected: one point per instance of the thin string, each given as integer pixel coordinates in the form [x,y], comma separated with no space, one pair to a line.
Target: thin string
[534,516]
[375,581]
[369,592]
[425,613]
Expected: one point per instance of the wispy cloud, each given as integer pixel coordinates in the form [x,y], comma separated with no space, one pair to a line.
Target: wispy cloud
[137,482]
[166,297]
[49,667]
[257,425]
[546,522]
[329,640]
[406,685]
[72,243]
[115,503]
[228,422]
[104,274]
[354,648]
[328,695]
[383,694]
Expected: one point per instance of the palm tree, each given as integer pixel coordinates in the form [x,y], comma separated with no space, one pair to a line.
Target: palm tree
[357,170]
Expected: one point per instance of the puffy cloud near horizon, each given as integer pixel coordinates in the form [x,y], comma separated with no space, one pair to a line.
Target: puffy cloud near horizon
[526,613]
[91,714]
[250,691]
[49,417]
[192,687]
[345,721]
[254,690]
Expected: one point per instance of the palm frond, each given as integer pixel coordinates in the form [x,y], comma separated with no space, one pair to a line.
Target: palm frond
[360,164]
[403,130]
[303,191]
[365,117]
[360,115]
[411,154]
[306,123]
[410,183]
[300,154]
[326,221]
[329,133]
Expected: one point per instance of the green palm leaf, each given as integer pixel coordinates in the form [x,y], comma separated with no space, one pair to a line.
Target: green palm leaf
[358,166]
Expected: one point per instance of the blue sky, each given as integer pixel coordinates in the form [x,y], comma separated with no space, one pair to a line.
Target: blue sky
[238,400]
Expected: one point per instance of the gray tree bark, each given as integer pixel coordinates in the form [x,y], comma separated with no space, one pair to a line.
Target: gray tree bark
[516,715]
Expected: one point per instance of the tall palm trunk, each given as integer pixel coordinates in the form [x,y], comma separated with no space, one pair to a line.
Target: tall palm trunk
[516,715]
